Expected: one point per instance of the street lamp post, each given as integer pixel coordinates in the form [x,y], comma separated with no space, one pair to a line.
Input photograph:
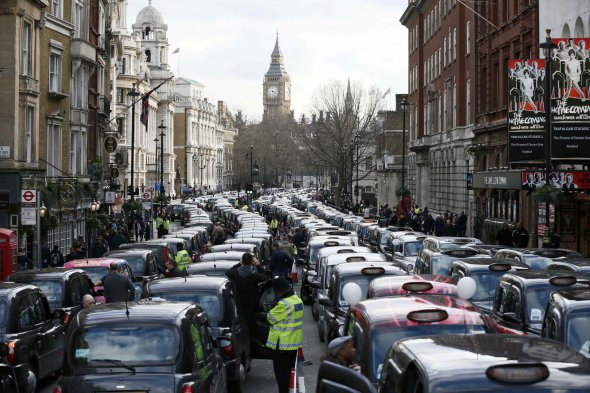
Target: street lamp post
[196,165]
[547,47]
[357,139]
[404,105]
[156,163]
[251,164]
[133,93]
[343,151]
[162,128]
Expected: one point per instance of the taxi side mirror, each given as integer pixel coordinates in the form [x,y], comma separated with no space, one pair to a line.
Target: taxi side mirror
[314,283]
[510,317]
[58,314]
[327,302]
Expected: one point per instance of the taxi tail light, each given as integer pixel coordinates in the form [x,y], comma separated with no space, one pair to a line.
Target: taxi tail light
[66,317]
[518,373]
[417,286]
[188,387]
[57,389]
[226,346]
[427,316]
[11,355]
[563,281]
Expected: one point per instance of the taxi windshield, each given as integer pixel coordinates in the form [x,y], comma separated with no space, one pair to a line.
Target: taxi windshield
[211,303]
[136,263]
[126,343]
[3,312]
[440,264]
[536,302]
[578,334]
[536,262]
[382,339]
[412,249]
[52,289]
[362,281]
[485,285]
[96,273]
[313,255]
[384,237]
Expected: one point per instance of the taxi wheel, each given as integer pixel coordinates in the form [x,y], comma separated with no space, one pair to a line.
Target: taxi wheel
[321,334]
[234,386]
[32,379]
[314,312]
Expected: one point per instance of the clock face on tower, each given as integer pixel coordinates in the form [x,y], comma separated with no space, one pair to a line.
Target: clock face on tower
[272,92]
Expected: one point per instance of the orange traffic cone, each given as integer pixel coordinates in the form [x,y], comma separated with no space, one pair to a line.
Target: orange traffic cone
[301,359]
[293,381]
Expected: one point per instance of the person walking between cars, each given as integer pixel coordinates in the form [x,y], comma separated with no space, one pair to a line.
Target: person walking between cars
[341,351]
[520,236]
[274,226]
[182,258]
[504,236]
[87,302]
[56,258]
[172,269]
[285,335]
[246,276]
[117,286]
[281,263]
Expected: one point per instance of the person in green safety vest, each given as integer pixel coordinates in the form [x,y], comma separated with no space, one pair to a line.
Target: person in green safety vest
[285,335]
[182,258]
[274,225]
[166,225]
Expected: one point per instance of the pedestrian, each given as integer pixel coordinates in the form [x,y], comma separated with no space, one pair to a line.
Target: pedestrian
[341,351]
[166,225]
[86,303]
[117,287]
[462,224]
[504,236]
[172,269]
[99,248]
[246,275]
[45,254]
[520,236]
[23,261]
[285,335]
[274,226]
[280,263]
[182,258]
[147,233]
[56,259]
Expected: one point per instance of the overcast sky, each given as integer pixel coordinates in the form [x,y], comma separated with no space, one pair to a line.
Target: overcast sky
[226,45]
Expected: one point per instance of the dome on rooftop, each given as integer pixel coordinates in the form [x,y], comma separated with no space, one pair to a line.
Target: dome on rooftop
[149,16]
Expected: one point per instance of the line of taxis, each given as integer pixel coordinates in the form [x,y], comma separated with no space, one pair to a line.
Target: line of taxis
[445,314]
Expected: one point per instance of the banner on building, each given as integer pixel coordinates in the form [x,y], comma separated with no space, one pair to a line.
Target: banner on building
[566,180]
[570,99]
[526,110]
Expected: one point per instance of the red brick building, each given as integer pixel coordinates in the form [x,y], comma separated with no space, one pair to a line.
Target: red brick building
[442,71]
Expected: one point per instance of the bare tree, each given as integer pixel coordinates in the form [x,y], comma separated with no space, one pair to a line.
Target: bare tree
[343,135]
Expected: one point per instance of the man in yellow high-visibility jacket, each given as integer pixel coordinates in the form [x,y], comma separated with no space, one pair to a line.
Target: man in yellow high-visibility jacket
[182,258]
[285,336]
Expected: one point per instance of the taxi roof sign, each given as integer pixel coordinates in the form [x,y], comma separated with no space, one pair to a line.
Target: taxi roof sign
[518,373]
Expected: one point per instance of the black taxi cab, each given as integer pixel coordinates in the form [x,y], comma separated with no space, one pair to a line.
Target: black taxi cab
[412,284]
[581,265]
[537,258]
[213,268]
[567,318]
[229,327]
[486,272]
[143,263]
[521,298]
[375,324]
[145,346]
[7,378]
[438,262]
[64,288]
[348,284]
[34,338]
[483,363]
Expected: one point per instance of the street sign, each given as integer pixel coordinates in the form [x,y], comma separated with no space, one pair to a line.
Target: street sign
[147,205]
[28,216]
[4,151]
[147,196]
[28,196]
[151,190]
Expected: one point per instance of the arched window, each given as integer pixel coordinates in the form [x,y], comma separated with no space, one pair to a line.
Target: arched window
[579,28]
[566,31]
[148,55]
[484,163]
[497,161]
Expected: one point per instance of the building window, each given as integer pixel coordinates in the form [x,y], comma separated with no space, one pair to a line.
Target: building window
[122,66]
[368,163]
[80,20]
[120,95]
[26,49]
[468,103]
[468,38]
[55,61]
[148,55]
[455,44]
[57,8]
[77,151]
[29,128]
[454,105]
[120,125]
[445,51]
[54,146]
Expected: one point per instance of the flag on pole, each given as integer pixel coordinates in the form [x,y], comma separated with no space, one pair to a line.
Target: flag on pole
[145,106]
[387,92]
[176,51]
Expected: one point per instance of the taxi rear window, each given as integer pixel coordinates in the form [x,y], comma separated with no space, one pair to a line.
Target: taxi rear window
[211,303]
[96,273]
[105,345]
[52,289]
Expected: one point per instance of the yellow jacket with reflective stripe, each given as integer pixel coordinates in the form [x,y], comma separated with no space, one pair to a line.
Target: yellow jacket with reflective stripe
[182,259]
[286,324]
[274,224]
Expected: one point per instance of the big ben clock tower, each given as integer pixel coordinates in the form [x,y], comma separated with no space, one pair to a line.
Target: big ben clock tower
[276,87]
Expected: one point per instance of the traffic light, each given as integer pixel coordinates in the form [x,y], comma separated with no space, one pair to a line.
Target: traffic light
[129,190]
[249,188]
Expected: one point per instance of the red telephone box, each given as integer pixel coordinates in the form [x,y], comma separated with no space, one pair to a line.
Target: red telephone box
[8,252]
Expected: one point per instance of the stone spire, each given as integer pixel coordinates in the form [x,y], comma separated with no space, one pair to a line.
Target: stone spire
[348,99]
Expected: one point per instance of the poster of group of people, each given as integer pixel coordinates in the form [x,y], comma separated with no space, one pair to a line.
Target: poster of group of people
[570,99]
[526,110]
[569,65]
[565,180]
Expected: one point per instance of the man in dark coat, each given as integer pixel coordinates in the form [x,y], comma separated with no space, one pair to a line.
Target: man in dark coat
[280,263]
[117,287]
[246,276]
[504,236]
[341,351]
[56,258]
[520,236]
[462,224]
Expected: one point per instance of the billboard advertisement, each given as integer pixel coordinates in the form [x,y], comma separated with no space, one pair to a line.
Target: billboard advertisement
[570,99]
[566,180]
[526,110]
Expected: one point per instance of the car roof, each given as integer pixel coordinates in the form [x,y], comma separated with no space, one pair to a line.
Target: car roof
[393,311]
[47,273]
[233,246]
[326,251]
[91,262]
[354,268]
[392,285]
[222,255]
[472,355]
[576,295]
[321,241]
[209,265]
[182,284]
[130,251]
[142,311]
[477,263]
[335,259]
[8,288]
